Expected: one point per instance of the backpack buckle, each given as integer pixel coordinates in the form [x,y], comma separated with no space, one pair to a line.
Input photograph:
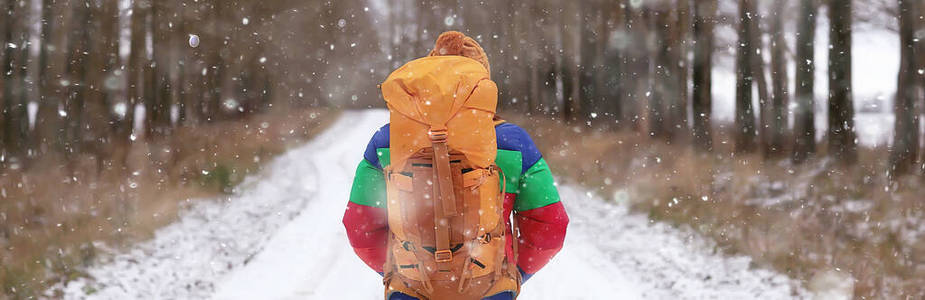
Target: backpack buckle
[437,135]
[442,256]
[485,238]
[407,245]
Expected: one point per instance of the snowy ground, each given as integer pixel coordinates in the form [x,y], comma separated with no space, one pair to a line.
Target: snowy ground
[279,236]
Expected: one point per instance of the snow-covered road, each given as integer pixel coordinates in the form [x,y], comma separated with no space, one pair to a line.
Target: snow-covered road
[279,236]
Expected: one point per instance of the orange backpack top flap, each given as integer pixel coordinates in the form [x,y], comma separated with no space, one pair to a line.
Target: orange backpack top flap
[451,93]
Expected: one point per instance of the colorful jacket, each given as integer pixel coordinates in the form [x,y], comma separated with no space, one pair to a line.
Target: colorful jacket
[530,194]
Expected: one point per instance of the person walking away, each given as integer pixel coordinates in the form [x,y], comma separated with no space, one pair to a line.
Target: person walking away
[446,187]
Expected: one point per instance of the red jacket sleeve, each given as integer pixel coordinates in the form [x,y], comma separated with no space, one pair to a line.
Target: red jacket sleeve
[542,233]
[367,230]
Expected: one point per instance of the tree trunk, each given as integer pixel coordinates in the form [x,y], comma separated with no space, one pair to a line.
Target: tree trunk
[26,85]
[616,63]
[599,109]
[507,45]
[571,107]
[78,47]
[841,133]
[804,131]
[588,66]
[780,94]
[135,84]
[114,89]
[6,71]
[745,113]
[214,65]
[157,90]
[534,54]
[180,86]
[15,61]
[663,116]
[704,14]
[904,152]
[639,67]
[47,121]
[920,70]
[758,76]
[205,57]
[682,42]
[93,126]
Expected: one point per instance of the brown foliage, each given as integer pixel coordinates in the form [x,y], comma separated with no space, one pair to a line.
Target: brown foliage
[801,220]
[57,214]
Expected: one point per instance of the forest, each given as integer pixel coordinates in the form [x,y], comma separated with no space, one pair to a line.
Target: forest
[88,76]
[83,83]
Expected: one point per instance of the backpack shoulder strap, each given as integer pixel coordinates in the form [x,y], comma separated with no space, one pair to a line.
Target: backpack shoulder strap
[444,185]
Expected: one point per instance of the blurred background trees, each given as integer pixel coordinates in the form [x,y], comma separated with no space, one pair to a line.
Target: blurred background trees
[84,80]
[92,76]
[85,77]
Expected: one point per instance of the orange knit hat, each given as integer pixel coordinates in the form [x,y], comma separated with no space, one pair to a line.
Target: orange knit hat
[456,43]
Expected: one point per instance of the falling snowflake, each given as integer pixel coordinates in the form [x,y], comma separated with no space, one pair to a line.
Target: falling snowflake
[193,40]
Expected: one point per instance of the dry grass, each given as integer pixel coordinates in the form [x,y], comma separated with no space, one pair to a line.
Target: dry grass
[55,215]
[802,220]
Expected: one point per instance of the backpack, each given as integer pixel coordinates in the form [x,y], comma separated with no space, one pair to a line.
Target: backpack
[444,191]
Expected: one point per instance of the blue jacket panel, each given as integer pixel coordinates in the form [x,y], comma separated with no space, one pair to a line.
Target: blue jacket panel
[509,137]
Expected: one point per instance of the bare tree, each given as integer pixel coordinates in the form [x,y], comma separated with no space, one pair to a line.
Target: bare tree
[841,135]
[550,61]
[6,67]
[666,105]
[780,91]
[93,108]
[186,65]
[804,131]
[76,77]
[214,62]
[50,62]
[682,44]
[135,83]
[589,70]
[614,69]
[638,67]
[704,14]
[904,152]
[535,54]
[157,85]
[920,67]
[758,76]
[745,113]
[15,60]
[571,100]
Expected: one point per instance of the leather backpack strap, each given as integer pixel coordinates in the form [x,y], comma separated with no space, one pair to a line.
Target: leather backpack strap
[514,227]
[415,238]
[394,210]
[445,197]
[388,270]
[442,167]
